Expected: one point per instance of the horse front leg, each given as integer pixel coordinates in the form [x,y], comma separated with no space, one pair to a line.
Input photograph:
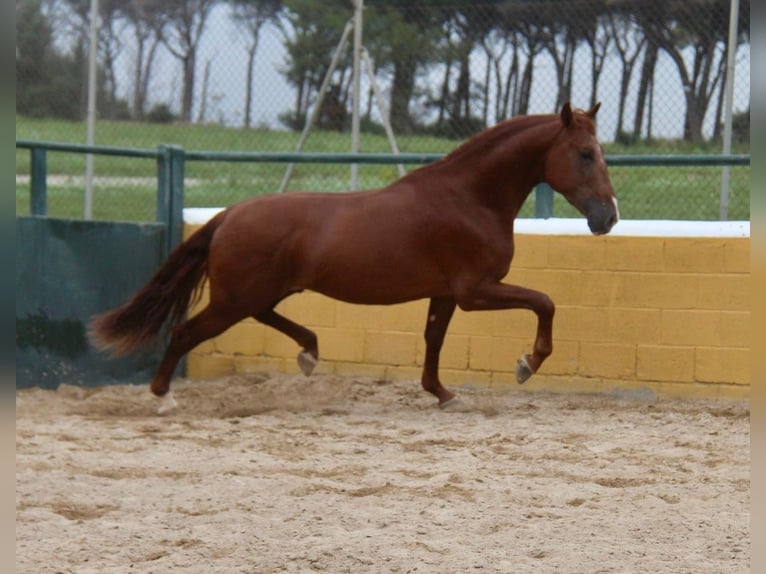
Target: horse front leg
[440,311]
[502,296]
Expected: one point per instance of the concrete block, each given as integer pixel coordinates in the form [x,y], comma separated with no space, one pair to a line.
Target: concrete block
[276,344]
[403,317]
[634,325]
[665,363]
[607,360]
[634,253]
[736,255]
[399,373]
[581,324]
[656,290]
[518,323]
[735,329]
[723,365]
[472,322]
[725,292]
[209,366]
[390,348]
[496,353]
[259,364]
[596,288]
[309,309]
[576,252]
[245,338]
[564,359]
[336,344]
[694,254]
[691,327]
[454,353]
[531,251]
[561,285]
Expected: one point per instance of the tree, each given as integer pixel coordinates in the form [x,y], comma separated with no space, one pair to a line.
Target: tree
[524,22]
[559,37]
[147,20]
[472,27]
[598,36]
[110,45]
[698,27]
[46,82]
[496,45]
[186,20]
[250,16]
[628,42]
[411,34]
[312,30]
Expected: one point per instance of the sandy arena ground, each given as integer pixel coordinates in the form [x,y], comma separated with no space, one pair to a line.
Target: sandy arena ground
[280,473]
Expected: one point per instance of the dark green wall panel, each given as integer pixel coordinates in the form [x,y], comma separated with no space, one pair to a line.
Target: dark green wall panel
[67,271]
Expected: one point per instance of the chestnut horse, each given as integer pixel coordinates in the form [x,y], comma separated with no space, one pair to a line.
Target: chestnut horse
[443,232]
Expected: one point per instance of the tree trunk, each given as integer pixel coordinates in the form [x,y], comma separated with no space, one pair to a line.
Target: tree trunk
[511,88]
[203,99]
[526,87]
[187,99]
[401,93]
[461,103]
[627,71]
[647,73]
[147,76]
[249,83]
[444,92]
[138,100]
[485,95]
[693,121]
[719,119]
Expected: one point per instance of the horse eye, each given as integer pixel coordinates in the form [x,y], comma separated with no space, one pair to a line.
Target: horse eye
[587,154]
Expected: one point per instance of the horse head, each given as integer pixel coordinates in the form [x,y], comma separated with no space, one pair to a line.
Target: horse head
[576,168]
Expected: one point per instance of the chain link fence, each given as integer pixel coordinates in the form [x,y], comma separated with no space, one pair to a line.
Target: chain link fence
[245,75]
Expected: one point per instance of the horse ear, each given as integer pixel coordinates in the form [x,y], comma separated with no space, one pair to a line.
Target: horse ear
[592,113]
[566,114]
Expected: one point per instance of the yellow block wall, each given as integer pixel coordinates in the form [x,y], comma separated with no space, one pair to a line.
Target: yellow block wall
[669,315]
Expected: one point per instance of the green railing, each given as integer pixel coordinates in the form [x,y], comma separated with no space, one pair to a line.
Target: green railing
[171,162]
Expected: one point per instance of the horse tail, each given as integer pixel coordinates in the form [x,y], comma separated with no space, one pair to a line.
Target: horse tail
[162,302]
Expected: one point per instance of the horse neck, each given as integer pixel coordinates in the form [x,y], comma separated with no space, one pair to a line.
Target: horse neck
[501,166]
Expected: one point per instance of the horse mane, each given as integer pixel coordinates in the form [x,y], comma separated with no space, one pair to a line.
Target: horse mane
[502,133]
[488,139]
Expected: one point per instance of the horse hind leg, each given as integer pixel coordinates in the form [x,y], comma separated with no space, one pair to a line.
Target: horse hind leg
[206,325]
[308,357]
[440,312]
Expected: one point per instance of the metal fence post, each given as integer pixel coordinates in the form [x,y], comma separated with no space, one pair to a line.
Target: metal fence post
[543,201]
[177,163]
[163,184]
[170,192]
[38,181]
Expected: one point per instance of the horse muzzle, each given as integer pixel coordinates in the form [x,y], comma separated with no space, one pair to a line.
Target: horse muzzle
[602,215]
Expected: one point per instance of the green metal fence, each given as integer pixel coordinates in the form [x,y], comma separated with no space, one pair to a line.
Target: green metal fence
[644,197]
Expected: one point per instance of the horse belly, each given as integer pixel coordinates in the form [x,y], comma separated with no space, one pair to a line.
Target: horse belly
[377,280]
[373,261]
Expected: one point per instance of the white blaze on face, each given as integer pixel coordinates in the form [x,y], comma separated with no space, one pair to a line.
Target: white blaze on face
[616,208]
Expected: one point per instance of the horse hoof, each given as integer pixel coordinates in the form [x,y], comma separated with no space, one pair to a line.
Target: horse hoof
[306,362]
[523,370]
[168,404]
[454,404]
